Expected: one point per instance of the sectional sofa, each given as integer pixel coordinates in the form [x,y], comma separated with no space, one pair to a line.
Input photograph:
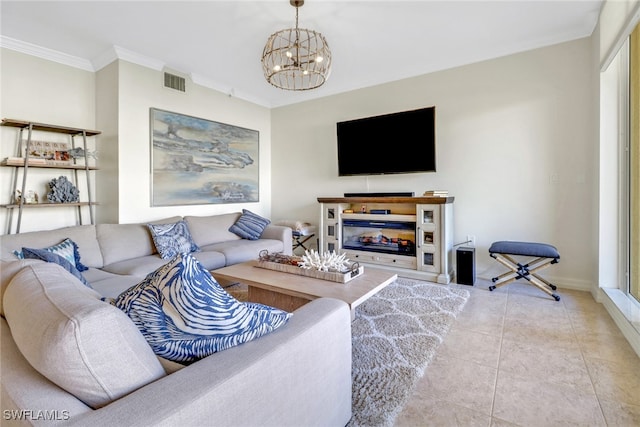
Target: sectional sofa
[68,356]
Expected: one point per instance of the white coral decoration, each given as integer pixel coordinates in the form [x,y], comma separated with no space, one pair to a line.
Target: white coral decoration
[327,261]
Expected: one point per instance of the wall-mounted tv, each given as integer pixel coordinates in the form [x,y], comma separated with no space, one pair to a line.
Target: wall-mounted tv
[403,142]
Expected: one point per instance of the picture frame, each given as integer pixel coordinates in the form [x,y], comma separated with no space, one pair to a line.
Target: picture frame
[198,161]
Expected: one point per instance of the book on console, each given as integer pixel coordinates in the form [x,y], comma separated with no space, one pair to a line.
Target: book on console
[436,193]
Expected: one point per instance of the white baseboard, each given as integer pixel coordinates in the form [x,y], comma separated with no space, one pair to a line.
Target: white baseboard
[625,313]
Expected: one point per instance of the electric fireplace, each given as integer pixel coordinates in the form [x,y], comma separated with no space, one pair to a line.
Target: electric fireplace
[390,237]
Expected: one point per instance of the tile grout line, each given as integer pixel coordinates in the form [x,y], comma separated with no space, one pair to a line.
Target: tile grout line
[495,385]
[584,361]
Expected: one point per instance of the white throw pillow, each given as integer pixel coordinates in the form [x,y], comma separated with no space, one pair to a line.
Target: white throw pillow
[82,344]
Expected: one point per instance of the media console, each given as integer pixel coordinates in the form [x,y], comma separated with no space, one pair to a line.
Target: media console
[414,237]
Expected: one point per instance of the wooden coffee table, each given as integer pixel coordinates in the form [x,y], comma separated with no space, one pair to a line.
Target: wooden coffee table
[288,291]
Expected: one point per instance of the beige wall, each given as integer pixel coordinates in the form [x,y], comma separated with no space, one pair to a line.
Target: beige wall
[140,89]
[514,142]
[107,120]
[116,100]
[515,146]
[48,92]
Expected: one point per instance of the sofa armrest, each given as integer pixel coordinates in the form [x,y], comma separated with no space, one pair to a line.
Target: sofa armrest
[279,232]
[298,375]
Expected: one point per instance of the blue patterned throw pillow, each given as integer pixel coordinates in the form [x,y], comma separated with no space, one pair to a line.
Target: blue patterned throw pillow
[67,249]
[249,226]
[185,315]
[172,239]
[48,256]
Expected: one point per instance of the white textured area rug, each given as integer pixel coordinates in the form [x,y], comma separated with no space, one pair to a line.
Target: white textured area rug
[395,335]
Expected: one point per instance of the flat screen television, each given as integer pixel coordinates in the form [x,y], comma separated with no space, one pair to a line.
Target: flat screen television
[403,142]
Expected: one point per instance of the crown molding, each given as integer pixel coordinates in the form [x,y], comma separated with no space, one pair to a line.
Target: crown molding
[201,80]
[117,52]
[45,53]
[107,57]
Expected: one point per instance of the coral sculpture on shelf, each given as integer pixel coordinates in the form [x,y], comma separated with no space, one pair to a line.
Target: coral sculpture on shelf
[62,191]
[326,261]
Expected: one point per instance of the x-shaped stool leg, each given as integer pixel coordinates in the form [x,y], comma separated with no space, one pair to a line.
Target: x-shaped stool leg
[524,271]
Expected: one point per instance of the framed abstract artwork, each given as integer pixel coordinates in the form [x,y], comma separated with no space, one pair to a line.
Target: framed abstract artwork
[196,161]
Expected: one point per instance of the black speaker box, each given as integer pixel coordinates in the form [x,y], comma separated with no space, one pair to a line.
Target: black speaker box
[466,266]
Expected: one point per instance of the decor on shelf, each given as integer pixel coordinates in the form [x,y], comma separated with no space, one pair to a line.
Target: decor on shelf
[196,161]
[62,191]
[49,155]
[296,58]
[30,197]
[78,153]
[53,153]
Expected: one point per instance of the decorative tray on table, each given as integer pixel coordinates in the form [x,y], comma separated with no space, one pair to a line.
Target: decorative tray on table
[326,266]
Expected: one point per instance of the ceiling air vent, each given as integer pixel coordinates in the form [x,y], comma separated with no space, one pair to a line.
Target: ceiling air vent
[174,82]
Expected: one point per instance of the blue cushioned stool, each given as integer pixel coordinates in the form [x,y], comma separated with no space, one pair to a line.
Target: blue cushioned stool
[543,255]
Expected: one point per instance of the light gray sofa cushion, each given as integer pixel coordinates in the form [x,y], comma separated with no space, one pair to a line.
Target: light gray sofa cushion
[124,241]
[110,285]
[8,269]
[120,242]
[140,266]
[83,235]
[244,250]
[84,345]
[299,375]
[207,230]
[23,387]
[211,259]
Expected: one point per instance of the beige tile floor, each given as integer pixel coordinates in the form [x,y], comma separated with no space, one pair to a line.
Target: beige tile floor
[516,357]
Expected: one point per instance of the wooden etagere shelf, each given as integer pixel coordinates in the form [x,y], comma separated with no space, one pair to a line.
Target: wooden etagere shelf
[25,163]
[49,128]
[48,205]
[13,164]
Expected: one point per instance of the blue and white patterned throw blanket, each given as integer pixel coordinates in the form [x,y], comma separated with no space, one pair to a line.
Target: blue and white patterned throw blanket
[185,315]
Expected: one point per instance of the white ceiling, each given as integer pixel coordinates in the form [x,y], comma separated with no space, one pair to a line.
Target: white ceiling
[219,43]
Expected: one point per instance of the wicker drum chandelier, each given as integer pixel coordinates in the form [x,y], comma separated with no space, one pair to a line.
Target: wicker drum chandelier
[296,58]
